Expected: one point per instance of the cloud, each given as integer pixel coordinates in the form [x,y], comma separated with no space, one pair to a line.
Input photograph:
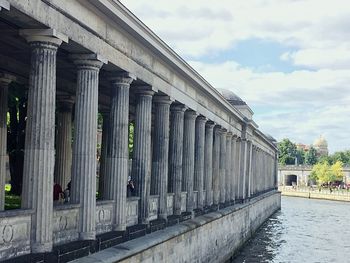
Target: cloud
[300,105]
[312,98]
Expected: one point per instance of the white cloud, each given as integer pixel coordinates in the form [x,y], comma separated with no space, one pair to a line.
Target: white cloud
[301,104]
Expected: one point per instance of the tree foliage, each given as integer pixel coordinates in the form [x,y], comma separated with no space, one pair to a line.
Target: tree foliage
[311,156]
[324,173]
[287,152]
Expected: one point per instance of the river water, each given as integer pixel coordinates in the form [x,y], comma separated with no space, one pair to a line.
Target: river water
[304,231]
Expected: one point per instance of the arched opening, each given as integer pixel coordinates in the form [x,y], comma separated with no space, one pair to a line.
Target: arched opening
[291,180]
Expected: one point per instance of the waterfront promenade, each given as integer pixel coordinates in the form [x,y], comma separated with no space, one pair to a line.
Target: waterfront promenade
[314,193]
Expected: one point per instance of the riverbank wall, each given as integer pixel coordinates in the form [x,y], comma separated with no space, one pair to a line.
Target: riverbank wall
[209,238]
[334,196]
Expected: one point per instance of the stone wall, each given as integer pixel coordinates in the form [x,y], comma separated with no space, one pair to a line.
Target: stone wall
[209,238]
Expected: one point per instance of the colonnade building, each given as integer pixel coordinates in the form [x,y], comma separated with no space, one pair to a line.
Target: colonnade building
[195,149]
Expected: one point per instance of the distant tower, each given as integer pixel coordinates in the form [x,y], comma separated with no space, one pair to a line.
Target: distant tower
[321,146]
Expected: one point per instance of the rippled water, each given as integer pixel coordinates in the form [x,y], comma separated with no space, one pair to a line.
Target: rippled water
[305,231]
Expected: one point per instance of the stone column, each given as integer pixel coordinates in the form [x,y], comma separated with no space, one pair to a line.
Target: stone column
[159,180]
[238,169]
[63,164]
[39,151]
[233,168]
[229,176]
[85,142]
[222,180]
[102,182]
[117,150]
[176,154]
[208,163]
[188,158]
[216,166]
[5,80]
[141,163]
[199,159]
[243,174]
[249,168]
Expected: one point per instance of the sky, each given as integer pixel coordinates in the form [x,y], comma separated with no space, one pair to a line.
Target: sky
[288,59]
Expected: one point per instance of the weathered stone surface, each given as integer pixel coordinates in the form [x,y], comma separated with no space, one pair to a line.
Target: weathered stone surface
[216,166]
[193,240]
[39,152]
[85,143]
[117,149]
[188,158]
[141,165]
[159,178]
[222,166]
[175,154]
[102,182]
[63,164]
[208,162]
[65,224]
[199,159]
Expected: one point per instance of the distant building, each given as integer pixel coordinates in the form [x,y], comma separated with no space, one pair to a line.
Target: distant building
[321,146]
[304,147]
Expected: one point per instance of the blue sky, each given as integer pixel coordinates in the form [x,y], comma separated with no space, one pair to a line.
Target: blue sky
[288,59]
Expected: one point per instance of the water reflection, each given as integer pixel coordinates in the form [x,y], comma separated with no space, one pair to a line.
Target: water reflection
[305,230]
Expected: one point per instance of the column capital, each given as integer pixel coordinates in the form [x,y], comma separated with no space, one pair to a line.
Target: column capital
[6,78]
[202,119]
[178,107]
[162,99]
[144,90]
[223,131]
[210,124]
[51,36]
[121,79]
[88,61]
[229,135]
[191,114]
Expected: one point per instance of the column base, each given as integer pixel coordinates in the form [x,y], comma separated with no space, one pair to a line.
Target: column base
[198,212]
[185,216]
[87,235]
[135,231]
[157,224]
[41,248]
[119,227]
[173,220]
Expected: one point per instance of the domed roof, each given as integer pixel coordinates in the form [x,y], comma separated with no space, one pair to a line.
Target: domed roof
[320,142]
[231,97]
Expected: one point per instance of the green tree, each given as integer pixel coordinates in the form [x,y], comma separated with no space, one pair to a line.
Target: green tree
[311,156]
[324,173]
[287,152]
[300,154]
[337,172]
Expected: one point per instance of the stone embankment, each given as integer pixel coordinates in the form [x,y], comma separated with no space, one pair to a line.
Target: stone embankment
[316,194]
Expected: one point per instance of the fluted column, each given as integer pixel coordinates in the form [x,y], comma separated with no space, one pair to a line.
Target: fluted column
[199,159]
[229,176]
[85,143]
[238,190]
[216,166]
[5,80]
[233,168]
[249,169]
[102,182]
[208,163]
[159,180]
[176,154]
[39,151]
[117,149]
[141,164]
[188,158]
[243,170]
[63,164]
[222,180]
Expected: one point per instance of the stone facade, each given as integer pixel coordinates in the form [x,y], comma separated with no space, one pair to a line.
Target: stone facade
[194,149]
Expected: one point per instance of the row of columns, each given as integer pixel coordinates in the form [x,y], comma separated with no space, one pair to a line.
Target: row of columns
[202,157]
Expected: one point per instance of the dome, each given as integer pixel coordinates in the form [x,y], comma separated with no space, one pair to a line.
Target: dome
[231,97]
[320,142]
